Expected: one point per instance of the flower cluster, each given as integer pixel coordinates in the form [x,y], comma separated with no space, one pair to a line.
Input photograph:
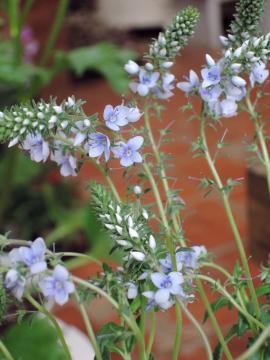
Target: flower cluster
[246,20]
[48,130]
[223,83]
[28,267]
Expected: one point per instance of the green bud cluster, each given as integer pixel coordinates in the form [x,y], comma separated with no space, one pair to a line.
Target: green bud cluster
[41,117]
[246,20]
[175,36]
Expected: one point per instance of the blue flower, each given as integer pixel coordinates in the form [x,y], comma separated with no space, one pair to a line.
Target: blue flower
[210,94]
[33,256]
[99,144]
[228,108]
[115,117]
[258,74]
[127,152]
[15,282]
[150,295]
[147,80]
[58,286]
[191,83]
[38,148]
[233,92]
[67,162]
[190,258]
[133,115]
[165,90]
[211,75]
[167,284]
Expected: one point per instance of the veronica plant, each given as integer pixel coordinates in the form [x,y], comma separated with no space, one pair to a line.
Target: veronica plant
[159,269]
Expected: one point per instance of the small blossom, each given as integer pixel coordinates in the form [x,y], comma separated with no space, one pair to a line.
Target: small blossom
[133,114]
[152,242]
[58,109]
[67,162]
[210,94]
[99,144]
[258,74]
[165,90]
[150,295]
[15,283]
[58,286]
[115,117]
[228,108]
[137,190]
[167,285]
[34,256]
[191,83]
[238,81]
[131,67]
[234,92]
[38,148]
[127,152]
[211,76]
[147,80]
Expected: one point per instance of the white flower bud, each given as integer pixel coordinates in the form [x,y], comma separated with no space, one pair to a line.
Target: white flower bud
[1,115]
[163,52]
[238,52]
[149,66]
[238,81]
[22,130]
[161,39]
[119,229]
[109,226]
[236,67]
[122,242]
[167,64]
[26,122]
[118,209]
[131,67]
[152,242]
[53,119]
[145,214]
[119,218]
[250,54]
[133,233]
[57,109]
[130,221]
[228,53]
[40,115]
[256,42]
[210,61]
[86,122]
[41,127]
[13,142]
[70,102]
[64,124]
[224,40]
[231,37]
[137,255]
[108,217]
[137,190]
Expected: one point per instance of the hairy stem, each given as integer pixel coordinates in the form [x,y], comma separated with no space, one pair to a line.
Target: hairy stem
[57,327]
[230,217]
[89,328]
[152,333]
[178,332]
[5,351]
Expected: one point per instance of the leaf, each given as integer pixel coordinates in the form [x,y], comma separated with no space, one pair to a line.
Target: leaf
[108,59]
[35,341]
[263,290]
[216,305]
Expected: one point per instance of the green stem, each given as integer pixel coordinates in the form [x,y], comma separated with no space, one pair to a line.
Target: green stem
[214,321]
[129,319]
[14,28]
[259,133]
[89,328]
[248,354]
[109,182]
[57,327]
[152,333]
[5,351]
[223,291]
[56,27]
[231,219]
[178,332]
[25,11]
[200,330]
[164,180]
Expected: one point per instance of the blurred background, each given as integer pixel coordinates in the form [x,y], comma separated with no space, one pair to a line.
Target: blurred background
[82,53]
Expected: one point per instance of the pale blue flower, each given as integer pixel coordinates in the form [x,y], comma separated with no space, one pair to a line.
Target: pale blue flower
[147,80]
[67,162]
[210,94]
[234,92]
[38,148]
[191,83]
[15,282]
[99,144]
[189,259]
[165,90]
[128,152]
[150,295]
[258,74]
[58,286]
[167,284]
[115,117]
[33,256]
[133,115]
[228,108]
[211,76]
